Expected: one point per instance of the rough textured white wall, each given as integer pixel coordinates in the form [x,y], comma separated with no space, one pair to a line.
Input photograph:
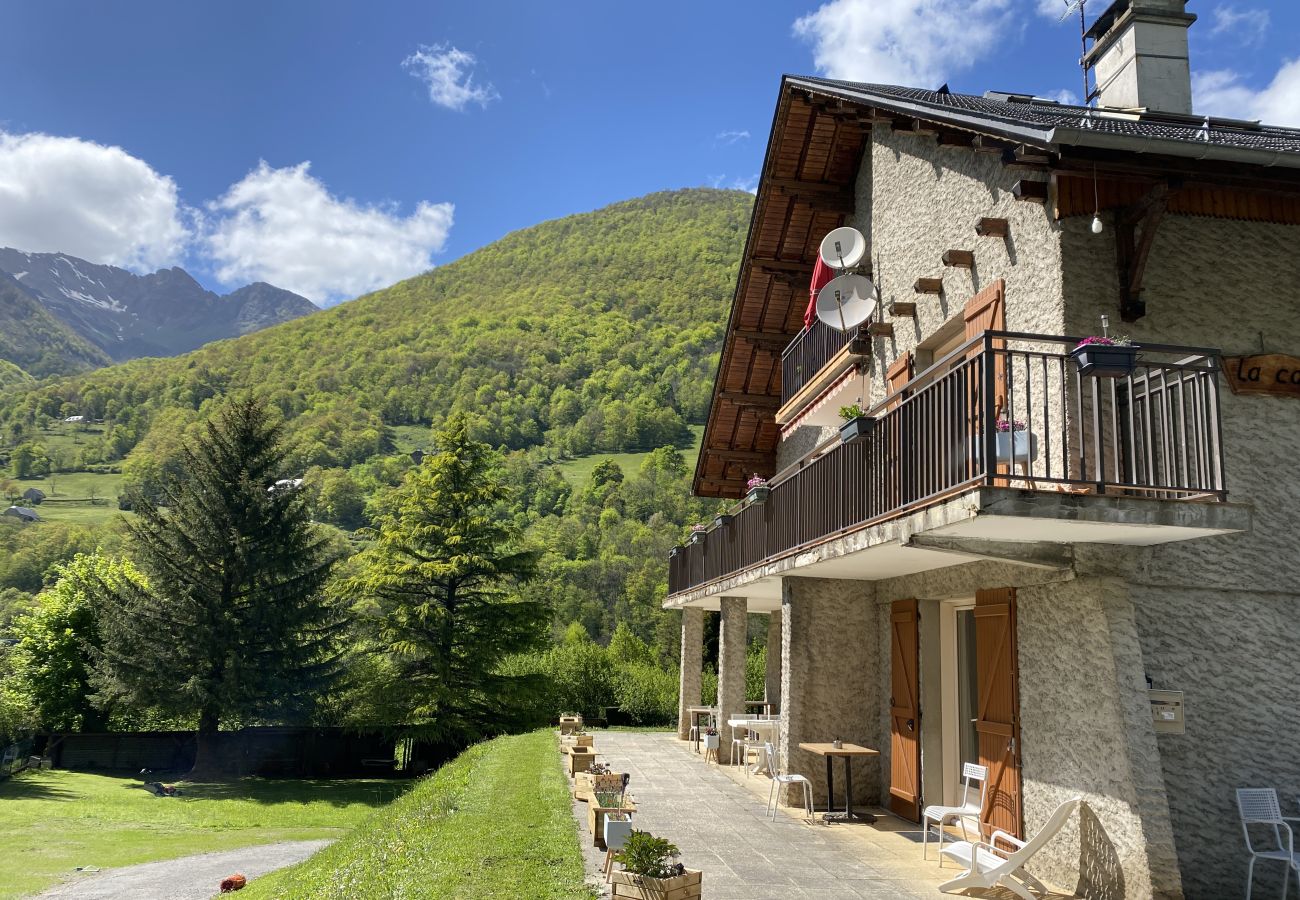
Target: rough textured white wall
[830,679]
[1219,618]
[772,674]
[733,638]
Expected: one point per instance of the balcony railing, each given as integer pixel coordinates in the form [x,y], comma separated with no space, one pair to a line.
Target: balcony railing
[809,353]
[1155,433]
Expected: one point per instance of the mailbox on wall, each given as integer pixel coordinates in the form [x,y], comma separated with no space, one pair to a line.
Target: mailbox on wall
[1167,711]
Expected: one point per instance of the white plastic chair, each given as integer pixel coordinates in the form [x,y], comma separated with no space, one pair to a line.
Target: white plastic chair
[1259,806]
[968,808]
[779,781]
[741,747]
[987,866]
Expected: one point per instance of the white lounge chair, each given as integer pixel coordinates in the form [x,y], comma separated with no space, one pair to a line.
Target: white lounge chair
[969,808]
[988,867]
[1259,806]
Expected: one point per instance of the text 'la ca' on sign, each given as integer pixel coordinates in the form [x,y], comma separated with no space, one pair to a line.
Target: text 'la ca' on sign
[1268,373]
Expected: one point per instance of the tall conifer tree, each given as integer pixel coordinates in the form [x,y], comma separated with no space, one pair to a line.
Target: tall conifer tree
[233,623]
[439,575]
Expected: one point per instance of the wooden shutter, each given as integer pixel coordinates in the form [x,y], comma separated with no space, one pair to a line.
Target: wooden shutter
[986,311]
[899,372]
[998,718]
[904,713]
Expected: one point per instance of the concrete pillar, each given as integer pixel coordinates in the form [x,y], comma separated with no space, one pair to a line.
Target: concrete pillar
[830,680]
[732,639]
[689,688]
[772,685]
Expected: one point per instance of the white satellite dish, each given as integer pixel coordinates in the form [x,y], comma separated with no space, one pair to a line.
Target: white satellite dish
[846,301]
[843,248]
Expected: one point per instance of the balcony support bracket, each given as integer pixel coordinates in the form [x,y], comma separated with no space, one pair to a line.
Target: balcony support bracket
[1135,232]
[1037,555]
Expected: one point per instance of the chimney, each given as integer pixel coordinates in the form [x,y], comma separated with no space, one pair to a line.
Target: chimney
[1139,55]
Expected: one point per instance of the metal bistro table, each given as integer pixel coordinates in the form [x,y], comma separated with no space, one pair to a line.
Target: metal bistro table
[847,752]
[695,712]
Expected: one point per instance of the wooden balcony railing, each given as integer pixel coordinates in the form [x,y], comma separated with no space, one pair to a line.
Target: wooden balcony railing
[1155,433]
[809,353]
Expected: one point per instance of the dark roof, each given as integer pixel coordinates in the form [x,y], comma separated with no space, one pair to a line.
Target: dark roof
[1047,123]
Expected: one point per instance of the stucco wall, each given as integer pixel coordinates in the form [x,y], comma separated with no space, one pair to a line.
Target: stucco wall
[1219,618]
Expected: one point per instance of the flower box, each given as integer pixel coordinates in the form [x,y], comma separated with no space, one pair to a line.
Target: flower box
[857,428]
[721,520]
[1017,447]
[1105,360]
[585,784]
[596,818]
[581,759]
[643,887]
[758,494]
[698,536]
[710,741]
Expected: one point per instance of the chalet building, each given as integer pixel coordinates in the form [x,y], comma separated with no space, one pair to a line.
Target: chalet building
[1101,601]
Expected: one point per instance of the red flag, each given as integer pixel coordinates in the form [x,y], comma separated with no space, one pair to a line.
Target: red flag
[822,273]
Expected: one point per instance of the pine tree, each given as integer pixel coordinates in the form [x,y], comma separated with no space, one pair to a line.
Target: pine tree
[233,624]
[439,575]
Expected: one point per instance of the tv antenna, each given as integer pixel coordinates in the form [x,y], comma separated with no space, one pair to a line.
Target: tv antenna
[846,301]
[1073,6]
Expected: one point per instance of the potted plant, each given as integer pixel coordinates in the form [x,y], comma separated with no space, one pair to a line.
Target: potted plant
[856,424]
[1014,442]
[758,489]
[709,737]
[1105,357]
[598,777]
[698,532]
[618,826]
[650,871]
[603,803]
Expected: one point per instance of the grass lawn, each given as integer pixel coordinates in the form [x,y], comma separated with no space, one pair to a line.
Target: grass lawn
[578,471]
[494,822]
[53,821]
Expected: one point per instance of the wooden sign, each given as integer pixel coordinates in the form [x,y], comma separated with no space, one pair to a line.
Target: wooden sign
[1269,373]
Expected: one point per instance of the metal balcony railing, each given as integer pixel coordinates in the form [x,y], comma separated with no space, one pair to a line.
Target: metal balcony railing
[809,353]
[1004,409]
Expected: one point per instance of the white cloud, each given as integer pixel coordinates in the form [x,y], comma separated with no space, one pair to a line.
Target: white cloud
[1222,93]
[749,184]
[1064,95]
[1249,25]
[448,73]
[731,137]
[910,42]
[61,194]
[284,226]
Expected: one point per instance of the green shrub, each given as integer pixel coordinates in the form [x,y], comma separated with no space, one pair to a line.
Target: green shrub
[647,694]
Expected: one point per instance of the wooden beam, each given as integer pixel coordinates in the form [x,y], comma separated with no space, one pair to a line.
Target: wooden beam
[1033,191]
[744,456]
[772,340]
[987,227]
[1025,154]
[801,186]
[961,259]
[757,401]
[822,201]
[902,309]
[1132,248]
[781,265]
[928,286]
[954,139]
[881,329]
[985,144]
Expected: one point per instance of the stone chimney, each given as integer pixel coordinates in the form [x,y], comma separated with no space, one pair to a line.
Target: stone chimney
[1139,55]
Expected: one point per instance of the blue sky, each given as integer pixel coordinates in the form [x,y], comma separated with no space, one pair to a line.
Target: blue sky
[335,147]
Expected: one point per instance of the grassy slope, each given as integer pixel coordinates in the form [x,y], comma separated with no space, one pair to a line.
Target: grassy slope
[494,822]
[578,470]
[52,822]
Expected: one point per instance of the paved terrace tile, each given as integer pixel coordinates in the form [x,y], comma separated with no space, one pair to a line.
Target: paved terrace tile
[716,816]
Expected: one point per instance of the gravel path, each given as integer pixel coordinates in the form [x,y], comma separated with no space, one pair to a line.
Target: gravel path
[188,878]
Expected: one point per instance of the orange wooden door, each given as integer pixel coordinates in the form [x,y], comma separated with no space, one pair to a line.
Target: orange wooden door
[998,718]
[904,712]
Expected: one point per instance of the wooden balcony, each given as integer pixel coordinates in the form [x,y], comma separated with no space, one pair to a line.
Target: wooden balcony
[1153,435]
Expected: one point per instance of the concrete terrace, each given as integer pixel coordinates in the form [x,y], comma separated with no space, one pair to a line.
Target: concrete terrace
[715,815]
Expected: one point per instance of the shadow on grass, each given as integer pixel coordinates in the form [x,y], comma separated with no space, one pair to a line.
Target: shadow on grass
[336,792]
[34,785]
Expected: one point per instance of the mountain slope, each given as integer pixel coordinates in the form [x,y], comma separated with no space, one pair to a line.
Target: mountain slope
[162,314]
[35,341]
[597,332]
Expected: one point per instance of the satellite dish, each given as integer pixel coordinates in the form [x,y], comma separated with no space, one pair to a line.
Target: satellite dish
[843,248]
[846,301]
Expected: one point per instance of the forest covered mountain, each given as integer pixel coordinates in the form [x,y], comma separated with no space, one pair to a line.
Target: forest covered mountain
[597,332]
[122,315]
[35,341]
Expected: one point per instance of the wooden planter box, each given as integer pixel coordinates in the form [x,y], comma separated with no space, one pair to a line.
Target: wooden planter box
[571,742]
[580,762]
[639,887]
[585,784]
[596,819]
[1105,361]
[570,723]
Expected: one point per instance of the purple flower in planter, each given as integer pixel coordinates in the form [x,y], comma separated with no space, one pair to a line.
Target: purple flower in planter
[1097,340]
[1007,425]
[756,481]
